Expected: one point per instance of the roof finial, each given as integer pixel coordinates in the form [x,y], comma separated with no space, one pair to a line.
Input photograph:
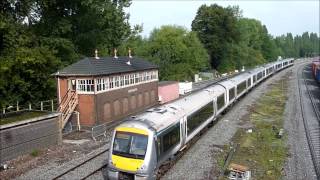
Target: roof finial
[129,51]
[115,53]
[96,54]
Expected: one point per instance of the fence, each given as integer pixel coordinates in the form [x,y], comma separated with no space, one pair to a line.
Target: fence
[48,105]
[98,131]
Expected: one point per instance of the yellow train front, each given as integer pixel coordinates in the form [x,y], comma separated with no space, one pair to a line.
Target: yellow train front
[132,152]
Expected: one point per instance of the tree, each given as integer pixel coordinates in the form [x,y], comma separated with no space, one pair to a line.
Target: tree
[89,25]
[178,53]
[37,37]
[299,46]
[216,28]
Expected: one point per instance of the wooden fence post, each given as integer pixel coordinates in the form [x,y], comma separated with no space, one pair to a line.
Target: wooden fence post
[29,106]
[41,105]
[17,105]
[3,110]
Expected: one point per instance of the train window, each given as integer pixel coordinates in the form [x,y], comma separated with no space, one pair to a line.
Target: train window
[197,118]
[264,73]
[254,79]
[220,102]
[169,139]
[241,87]
[259,75]
[249,82]
[231,94]
[130,145]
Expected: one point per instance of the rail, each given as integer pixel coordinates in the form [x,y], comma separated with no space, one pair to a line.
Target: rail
[82,164]
[306,126]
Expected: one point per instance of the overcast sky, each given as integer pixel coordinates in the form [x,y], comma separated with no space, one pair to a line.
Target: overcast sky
[280,17]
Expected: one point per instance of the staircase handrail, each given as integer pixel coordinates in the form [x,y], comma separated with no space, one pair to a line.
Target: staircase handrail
[68,94]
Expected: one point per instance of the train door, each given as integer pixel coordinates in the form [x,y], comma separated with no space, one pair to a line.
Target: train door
[215,107]
[183,129]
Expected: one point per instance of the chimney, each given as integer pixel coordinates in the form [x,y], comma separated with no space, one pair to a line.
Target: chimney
[129,51]
[115,53]
[96,54]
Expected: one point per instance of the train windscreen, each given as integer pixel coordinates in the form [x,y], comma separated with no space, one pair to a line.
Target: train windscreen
[130,145]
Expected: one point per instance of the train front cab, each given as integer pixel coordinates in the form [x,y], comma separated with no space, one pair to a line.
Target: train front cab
[132,154]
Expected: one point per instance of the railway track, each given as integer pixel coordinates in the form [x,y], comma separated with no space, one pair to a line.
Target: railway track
[77,171]
[311,123]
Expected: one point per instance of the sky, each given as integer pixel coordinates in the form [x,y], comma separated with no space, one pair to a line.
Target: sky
[280,17]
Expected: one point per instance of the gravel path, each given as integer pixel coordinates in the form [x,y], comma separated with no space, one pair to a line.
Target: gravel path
[199,161]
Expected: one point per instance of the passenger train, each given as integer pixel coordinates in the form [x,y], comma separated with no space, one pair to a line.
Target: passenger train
[142,144]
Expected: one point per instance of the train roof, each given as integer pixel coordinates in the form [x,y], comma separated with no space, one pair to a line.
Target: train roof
[160,118]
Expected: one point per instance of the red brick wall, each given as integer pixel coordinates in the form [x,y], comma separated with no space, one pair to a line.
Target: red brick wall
[117,104]
[63,82]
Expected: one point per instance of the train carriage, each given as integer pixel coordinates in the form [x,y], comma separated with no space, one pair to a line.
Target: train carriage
[269,69]
[230,90]
[141,145]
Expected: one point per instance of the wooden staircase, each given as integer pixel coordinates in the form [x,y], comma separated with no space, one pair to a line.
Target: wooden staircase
[67,106]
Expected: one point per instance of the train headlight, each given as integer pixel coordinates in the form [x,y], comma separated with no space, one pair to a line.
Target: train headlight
[111,166]
[142,169]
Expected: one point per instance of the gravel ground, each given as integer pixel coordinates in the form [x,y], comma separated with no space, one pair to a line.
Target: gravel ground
[49,171]
[199,162]
[299,164]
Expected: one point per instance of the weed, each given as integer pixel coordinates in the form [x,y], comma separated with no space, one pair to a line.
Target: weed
[35,153]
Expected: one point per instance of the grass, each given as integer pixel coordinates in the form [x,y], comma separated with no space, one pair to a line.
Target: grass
[21,117]
[35,153]
[261,150]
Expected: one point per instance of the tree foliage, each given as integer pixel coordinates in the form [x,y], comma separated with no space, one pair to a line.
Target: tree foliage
[298,46]
[178,53]
[233,41]
[37,37]
[216,28]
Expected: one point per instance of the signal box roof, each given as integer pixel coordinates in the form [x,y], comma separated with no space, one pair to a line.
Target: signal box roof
[91,66]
